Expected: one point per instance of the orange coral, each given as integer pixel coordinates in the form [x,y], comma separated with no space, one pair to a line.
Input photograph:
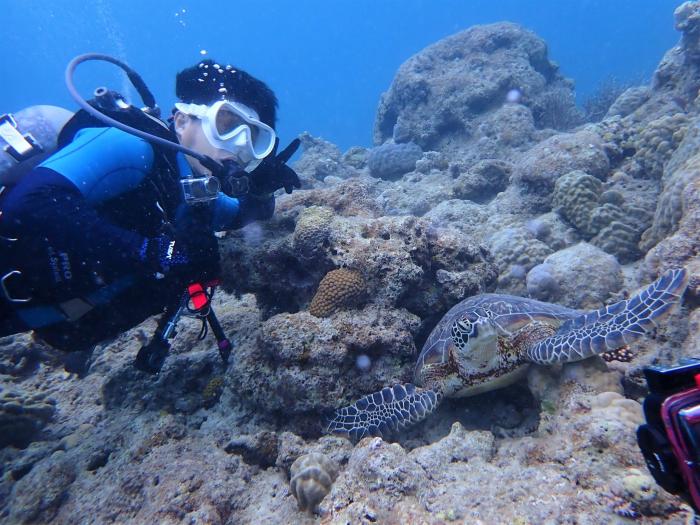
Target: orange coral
[338,289]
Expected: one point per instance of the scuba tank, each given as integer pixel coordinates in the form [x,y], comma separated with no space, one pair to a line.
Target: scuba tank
[27,137]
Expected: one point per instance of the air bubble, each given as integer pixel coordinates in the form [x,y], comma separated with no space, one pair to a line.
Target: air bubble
[202,51]
[363,362]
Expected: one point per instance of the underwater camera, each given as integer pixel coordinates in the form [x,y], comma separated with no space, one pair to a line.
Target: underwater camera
[670,439]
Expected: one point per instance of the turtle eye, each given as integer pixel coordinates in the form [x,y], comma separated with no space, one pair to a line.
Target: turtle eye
[462,330]
[464,325]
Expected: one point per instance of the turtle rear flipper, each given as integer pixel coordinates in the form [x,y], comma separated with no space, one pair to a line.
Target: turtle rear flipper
[612,327]
[385,411]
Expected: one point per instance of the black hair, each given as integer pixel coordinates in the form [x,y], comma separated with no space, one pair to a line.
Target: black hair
[209,81]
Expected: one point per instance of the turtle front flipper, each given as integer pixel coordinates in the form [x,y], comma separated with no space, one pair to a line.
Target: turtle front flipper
[612,327]
[390,409]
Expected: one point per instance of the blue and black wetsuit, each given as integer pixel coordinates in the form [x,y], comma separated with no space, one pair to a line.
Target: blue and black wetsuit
[81,219]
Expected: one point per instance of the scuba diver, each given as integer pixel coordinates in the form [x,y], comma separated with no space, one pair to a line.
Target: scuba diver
[119,222]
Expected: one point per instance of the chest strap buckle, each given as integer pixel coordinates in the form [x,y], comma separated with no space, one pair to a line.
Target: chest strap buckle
[6,292]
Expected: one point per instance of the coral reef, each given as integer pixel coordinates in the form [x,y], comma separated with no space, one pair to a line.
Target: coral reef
[682,170]
[391,161]
[576,195]
[655,143]
[517,246]
[440,97]
[681,248]
[471,189]
[212,391]
[341,288]
[321,159]
[312,476]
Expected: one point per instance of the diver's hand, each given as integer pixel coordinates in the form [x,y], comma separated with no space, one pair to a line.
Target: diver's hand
[273,172]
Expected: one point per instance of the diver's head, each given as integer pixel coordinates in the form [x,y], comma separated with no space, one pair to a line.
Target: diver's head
[224,113]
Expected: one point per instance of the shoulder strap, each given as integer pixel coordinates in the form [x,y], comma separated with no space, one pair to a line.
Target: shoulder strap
[165,175]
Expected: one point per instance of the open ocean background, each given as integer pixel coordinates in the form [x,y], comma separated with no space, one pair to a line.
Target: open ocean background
[327,60]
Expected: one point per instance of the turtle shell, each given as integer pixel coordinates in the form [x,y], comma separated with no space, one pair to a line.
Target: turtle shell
[474,339]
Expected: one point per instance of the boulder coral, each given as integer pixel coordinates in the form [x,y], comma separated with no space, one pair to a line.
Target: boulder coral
[558,279]
[541,166]
[682,170]
[440,96]
[655,142]
[391,161]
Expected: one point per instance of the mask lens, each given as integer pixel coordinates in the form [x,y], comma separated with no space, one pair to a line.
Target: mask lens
[227,121]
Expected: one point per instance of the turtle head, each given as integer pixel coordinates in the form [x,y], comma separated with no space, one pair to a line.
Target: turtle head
[462,354]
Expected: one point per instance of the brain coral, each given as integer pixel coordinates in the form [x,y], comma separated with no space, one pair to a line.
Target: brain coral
[604,218]
[338,289]
[311,478]
[576,194]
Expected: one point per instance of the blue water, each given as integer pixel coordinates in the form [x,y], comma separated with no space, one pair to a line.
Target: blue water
[327,60]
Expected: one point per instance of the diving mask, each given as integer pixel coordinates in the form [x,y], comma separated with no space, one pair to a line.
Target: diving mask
[234,127]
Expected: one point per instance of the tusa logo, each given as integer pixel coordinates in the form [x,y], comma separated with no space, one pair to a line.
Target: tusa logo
[171,249]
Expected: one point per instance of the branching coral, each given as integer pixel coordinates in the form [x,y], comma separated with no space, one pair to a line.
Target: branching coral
[311,478]
[339,289]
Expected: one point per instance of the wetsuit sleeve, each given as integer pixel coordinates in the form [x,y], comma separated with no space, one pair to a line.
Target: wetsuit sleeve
[232,213]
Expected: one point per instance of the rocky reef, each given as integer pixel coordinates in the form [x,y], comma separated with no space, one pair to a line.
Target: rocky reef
[482,178]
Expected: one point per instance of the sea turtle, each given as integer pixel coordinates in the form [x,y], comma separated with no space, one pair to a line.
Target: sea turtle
[488,341]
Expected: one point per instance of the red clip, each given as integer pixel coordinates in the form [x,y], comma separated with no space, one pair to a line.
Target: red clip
[697,380]
[198,296]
